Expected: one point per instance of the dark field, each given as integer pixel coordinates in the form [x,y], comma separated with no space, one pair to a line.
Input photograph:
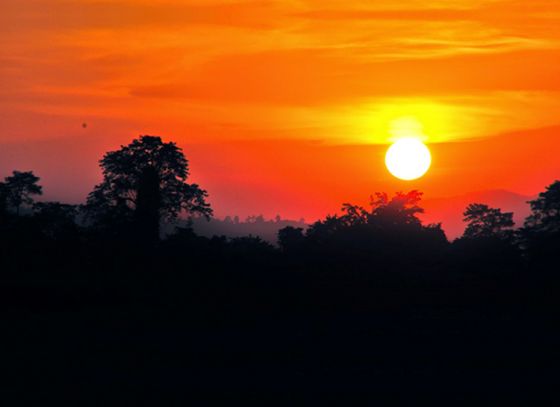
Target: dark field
[165,330]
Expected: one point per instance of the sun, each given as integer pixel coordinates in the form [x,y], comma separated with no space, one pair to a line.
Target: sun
[408,158]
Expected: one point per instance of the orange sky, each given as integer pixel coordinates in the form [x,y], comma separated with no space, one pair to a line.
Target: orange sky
[284,106]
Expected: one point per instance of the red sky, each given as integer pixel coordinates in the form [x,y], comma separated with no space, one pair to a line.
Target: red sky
[284,106]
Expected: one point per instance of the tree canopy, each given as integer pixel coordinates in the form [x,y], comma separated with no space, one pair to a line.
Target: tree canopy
[484,221]
[545,216]
[146,182]
[390,228]
[19,189]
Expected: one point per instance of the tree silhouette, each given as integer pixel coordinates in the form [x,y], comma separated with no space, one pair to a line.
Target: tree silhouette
[545,216]
[19,189]
[290,238]
[541,231]
[398,211]
[382,235]
[489,244]
[324,229]
[401,209]
[354,215]
[144,183]
[483,222]
[387,213]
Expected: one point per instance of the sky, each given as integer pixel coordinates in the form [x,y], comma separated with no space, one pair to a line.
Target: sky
[284,106]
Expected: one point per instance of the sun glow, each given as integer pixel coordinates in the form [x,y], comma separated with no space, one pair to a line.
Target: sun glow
[423,120]
[408,158]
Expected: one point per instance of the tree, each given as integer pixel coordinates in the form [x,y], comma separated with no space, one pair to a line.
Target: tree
[354,215]
[545,216]
[489,244]
[290,239]
[401,209]
[255,219]
[389,235]
[20,188]
[486,222]
[144,183]
[386,214]
[325,229]
[540,235]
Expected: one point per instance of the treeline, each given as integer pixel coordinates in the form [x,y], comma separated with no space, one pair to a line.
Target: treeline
[255,225]
[145,186]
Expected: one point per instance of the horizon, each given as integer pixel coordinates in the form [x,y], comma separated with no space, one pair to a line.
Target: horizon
[79,195]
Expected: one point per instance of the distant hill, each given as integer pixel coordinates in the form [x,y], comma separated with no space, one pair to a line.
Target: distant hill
[449,211]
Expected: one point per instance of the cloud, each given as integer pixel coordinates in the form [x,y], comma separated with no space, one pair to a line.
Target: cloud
[66,15]
[272,67]
[310,77]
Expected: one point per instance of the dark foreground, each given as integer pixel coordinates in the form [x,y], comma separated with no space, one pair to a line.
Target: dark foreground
[97,309]
[175,326]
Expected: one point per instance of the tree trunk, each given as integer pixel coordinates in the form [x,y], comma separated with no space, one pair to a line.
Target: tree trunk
[148,204]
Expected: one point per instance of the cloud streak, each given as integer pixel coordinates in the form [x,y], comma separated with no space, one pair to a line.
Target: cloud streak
[186,61]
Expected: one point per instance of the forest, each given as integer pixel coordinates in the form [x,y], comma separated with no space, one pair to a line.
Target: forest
[119,299]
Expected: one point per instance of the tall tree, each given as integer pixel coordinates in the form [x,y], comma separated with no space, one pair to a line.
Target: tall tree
[484,221]
[145,183]
[19,189]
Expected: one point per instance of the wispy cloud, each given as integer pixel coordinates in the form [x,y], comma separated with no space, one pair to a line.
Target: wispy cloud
[295,62]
